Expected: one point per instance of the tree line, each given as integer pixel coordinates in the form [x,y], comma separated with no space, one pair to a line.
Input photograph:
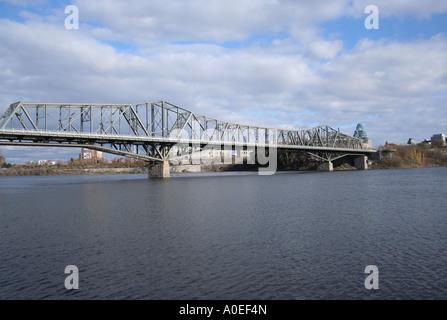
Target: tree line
[417,155]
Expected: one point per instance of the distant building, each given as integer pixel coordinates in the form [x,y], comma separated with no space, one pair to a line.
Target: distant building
[361,134]
[46,162]
[439,137]
[2,159]
[411,141]
[90,156]
[124,160]
[246,153]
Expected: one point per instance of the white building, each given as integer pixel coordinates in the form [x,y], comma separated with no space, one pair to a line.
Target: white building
[442,137]
[90,155]
[46,162]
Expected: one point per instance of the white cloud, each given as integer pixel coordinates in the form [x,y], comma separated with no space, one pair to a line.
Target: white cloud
[397,89]
[155,21]
[394,82]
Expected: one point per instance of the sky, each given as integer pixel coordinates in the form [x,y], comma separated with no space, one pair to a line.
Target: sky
[277,63]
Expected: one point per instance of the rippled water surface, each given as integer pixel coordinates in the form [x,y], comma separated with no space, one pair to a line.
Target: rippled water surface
[229,236]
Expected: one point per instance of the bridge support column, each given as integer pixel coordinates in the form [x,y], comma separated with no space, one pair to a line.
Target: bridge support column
[326,166]
[160,170]
[361,162]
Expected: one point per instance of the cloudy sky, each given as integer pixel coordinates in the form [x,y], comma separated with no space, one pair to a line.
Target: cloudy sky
[277,63]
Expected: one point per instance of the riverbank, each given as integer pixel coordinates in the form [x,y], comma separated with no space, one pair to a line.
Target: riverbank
[403,156]
[45,171]
[97,169]
[72,171]
[413,156]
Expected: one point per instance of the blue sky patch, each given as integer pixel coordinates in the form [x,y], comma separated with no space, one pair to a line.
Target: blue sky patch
[403,29]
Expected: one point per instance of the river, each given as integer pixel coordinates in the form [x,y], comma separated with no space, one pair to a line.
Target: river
[226,235]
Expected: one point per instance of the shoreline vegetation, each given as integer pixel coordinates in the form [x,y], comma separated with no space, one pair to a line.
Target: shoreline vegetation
[414,156]
[403,156]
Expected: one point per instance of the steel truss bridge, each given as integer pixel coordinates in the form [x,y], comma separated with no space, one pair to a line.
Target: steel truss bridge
[158,131]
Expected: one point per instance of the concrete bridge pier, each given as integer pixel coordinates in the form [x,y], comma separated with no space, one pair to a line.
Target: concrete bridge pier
[361,162]
[326,166]
[159,170]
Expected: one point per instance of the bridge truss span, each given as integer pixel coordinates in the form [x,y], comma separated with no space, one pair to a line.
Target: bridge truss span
[155,131]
